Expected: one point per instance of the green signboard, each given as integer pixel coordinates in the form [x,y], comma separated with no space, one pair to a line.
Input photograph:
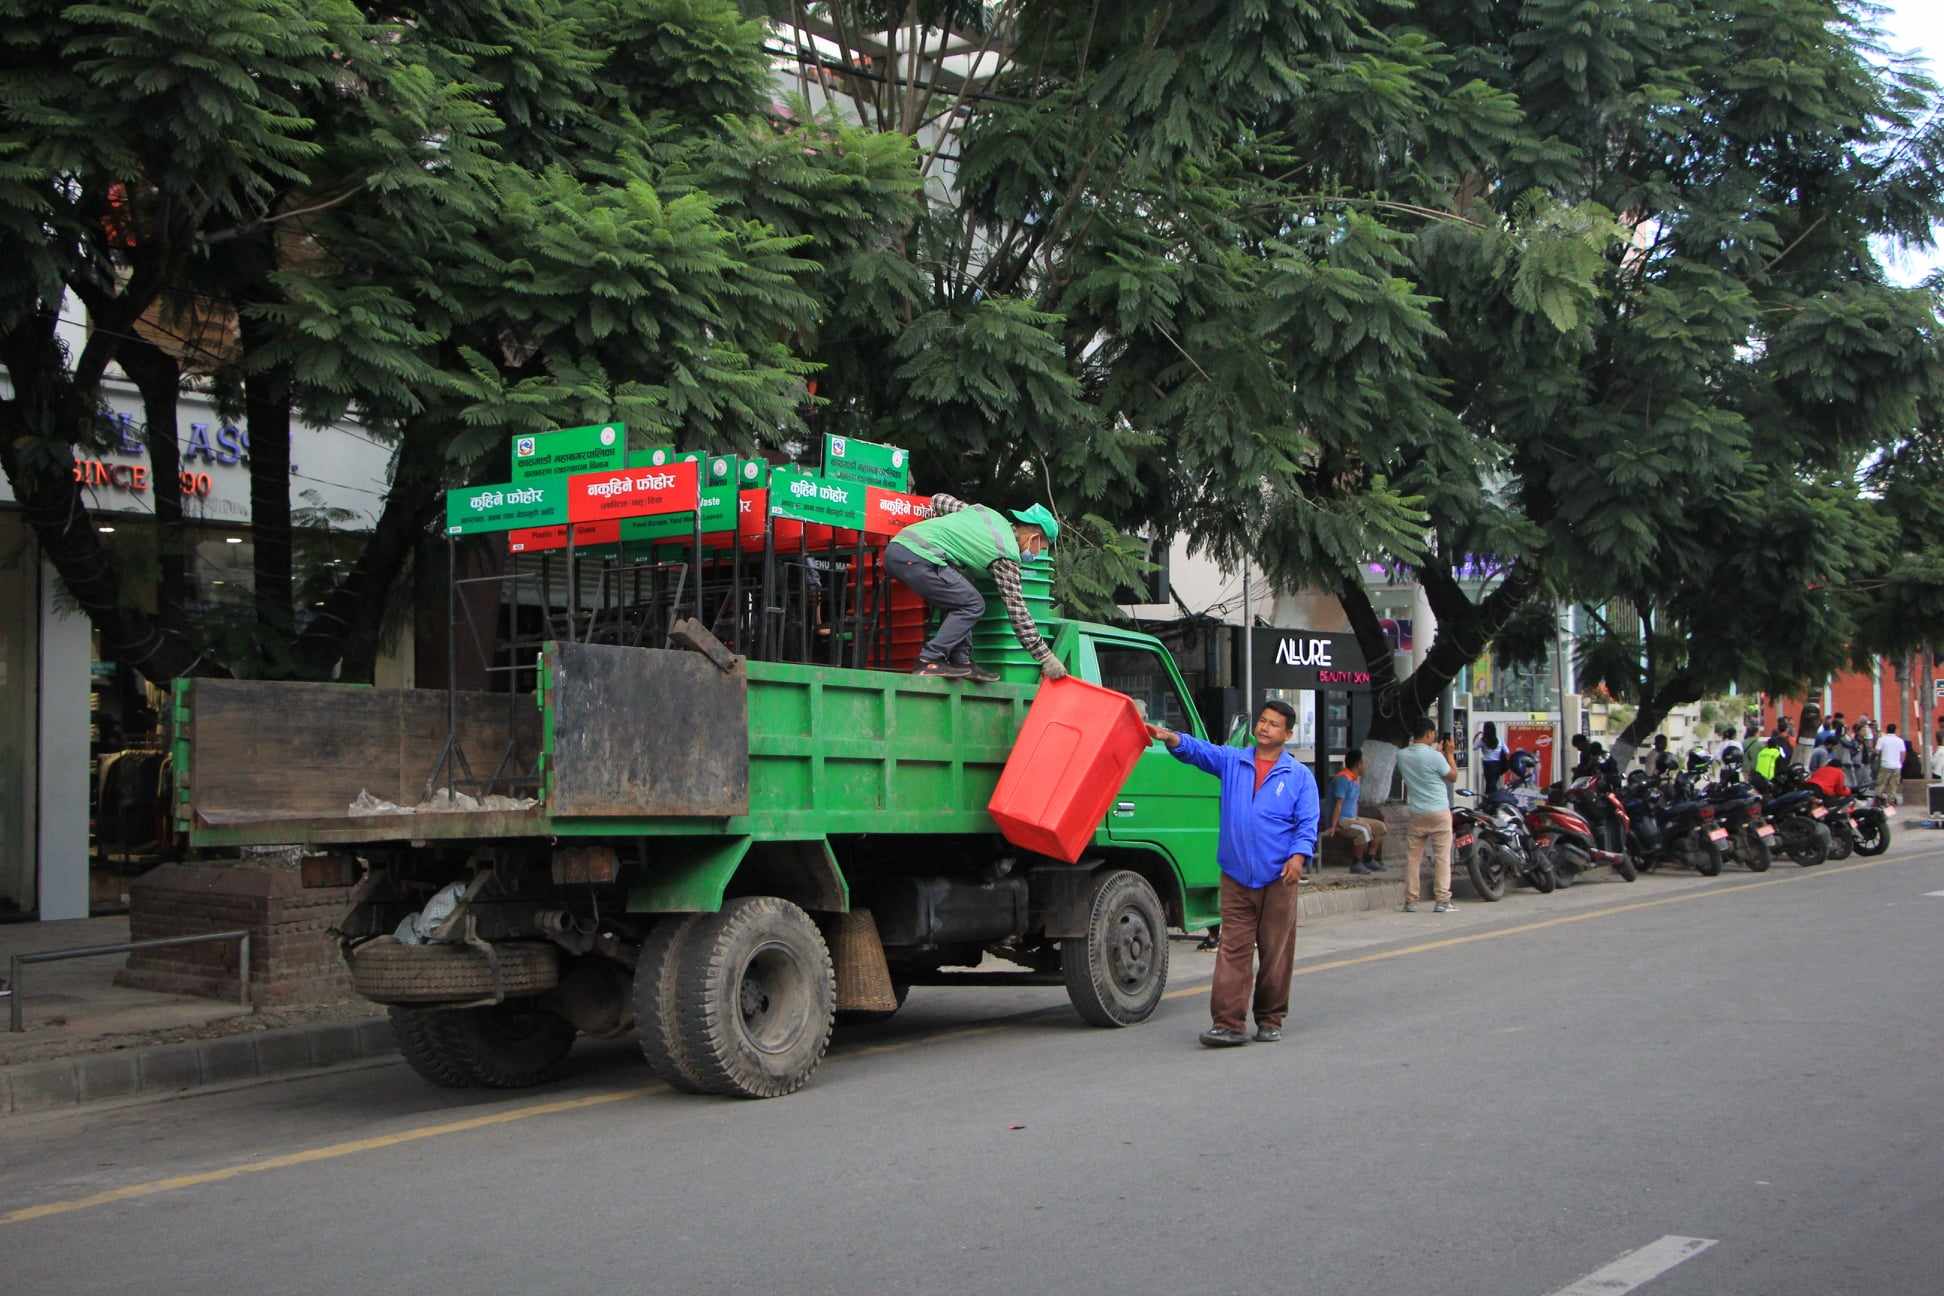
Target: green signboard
[868,462]
[653,457]
[506,507]
[753,474]
[718,514]
[594,448]
[811,497]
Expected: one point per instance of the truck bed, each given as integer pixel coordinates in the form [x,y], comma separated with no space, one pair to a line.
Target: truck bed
[626,741]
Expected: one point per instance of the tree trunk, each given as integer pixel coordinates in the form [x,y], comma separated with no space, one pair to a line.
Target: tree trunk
[266,409]
[39,424]
[159,378]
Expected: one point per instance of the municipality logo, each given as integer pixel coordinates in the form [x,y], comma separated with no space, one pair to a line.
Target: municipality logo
[607,436]
[897,458]
[837,447]
[749,471]
[721,468]
[524,448]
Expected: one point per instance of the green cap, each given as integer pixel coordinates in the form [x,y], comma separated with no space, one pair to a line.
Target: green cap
[1039,516]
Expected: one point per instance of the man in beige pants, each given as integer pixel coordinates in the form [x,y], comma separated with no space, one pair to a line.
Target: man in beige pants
[1429,771]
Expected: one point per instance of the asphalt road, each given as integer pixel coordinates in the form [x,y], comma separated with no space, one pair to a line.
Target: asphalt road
[1500,1102]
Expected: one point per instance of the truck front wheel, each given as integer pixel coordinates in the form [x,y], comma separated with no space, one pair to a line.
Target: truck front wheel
[756,996]
[1116,972]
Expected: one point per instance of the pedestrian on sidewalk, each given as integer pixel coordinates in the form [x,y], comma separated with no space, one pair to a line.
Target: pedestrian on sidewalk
[1366,836]
[1268,834]
[1890,758]
[1429,772]
[1492,755]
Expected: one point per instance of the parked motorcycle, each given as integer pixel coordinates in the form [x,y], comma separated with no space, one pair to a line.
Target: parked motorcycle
[1597,799]
[1795,807]
[1738,808]
[1492,843]
[1872,822]
[1685,819]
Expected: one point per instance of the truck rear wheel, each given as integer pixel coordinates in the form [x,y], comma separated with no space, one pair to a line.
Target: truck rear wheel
[430,1047]
[757,994]
[656,1021]
[1116,972]
[507,1046]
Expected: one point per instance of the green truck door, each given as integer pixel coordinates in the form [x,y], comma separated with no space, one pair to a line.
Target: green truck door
[1164,802]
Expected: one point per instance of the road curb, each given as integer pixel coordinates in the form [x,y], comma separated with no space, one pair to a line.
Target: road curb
[34,1088]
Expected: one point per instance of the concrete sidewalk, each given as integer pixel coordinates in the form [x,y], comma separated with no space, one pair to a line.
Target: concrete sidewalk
[88,1039]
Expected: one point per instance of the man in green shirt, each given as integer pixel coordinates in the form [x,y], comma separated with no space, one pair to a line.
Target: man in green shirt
[932,557]
[1429,772]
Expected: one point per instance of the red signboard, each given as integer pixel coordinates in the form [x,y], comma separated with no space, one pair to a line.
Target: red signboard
[887,512]
[1537,739]
[544,539]
[634,492]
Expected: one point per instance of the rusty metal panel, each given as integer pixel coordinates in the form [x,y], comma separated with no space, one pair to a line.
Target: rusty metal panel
[595,864]
[643,731]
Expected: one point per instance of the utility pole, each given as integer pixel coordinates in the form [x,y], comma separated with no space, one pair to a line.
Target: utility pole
[1248,646]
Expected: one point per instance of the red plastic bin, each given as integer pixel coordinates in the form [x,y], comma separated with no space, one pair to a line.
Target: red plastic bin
[1076,749]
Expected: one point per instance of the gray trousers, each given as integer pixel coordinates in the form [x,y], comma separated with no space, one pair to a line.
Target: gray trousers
[946,589]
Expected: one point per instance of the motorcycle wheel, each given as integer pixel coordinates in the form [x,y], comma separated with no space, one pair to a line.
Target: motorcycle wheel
[1813,847]
[1487,873]
[1709,859]
[1873,842]
[1842,839]
[1542,877]
[1645,861]
[1756,853]
[1625,865]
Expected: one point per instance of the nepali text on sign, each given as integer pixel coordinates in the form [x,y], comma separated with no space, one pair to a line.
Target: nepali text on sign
[570,450]
[811,497]
[868,462]
[633,492]
[509,506]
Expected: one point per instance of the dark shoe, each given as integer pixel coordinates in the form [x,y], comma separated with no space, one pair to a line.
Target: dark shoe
[941,670]
[1359,869]
[1268,1034]
[980,675]
[1223,1037]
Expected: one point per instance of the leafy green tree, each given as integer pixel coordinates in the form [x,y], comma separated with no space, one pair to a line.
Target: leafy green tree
[456,221]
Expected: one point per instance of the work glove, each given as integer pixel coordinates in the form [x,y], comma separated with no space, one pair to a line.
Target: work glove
[1053,670]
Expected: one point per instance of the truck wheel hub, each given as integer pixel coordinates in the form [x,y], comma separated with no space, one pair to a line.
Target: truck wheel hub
[774,998]
[1130,953]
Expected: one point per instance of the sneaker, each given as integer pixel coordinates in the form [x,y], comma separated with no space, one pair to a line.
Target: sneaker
[1410,906]
[1268,1035]
[1360,869]
[941,670]
[1443,906]
[1222,1037]
[979,674]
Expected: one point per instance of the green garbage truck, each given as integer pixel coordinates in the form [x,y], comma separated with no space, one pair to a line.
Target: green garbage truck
[726,856]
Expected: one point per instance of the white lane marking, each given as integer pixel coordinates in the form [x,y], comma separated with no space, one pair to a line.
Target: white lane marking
[1934,893]
[1637,1268]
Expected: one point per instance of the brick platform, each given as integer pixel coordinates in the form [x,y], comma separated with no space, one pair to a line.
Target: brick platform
[293,959]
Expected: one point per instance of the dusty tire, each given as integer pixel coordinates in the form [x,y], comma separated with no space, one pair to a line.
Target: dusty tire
[1116,973]
[1759,854]
[430,1047]
[387,972]
[1842,839]
[1544,880]
[1625,865]
[656,1019]
[1812,848]
[756,997]
[1486,873]
[512,1045]
[1871,844]
[1709,858]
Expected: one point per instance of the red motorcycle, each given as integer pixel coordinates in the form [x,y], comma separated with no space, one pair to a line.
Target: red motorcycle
[1582,827]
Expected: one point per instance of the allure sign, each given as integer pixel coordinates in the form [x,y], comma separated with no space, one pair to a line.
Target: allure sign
[1309,659]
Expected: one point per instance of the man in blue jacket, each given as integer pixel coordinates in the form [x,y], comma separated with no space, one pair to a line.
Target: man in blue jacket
[1269,813]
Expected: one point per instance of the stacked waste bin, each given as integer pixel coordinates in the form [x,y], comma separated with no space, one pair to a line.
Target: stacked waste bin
[994,645]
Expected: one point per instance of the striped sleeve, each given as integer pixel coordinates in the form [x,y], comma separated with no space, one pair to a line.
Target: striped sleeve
[1005,575]
[943,504]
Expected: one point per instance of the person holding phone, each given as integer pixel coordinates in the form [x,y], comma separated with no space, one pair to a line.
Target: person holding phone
[1429,771]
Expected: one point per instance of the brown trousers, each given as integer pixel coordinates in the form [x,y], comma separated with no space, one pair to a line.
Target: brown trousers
[1256,921]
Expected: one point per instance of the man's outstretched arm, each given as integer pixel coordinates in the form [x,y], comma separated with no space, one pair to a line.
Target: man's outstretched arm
[1191,750]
